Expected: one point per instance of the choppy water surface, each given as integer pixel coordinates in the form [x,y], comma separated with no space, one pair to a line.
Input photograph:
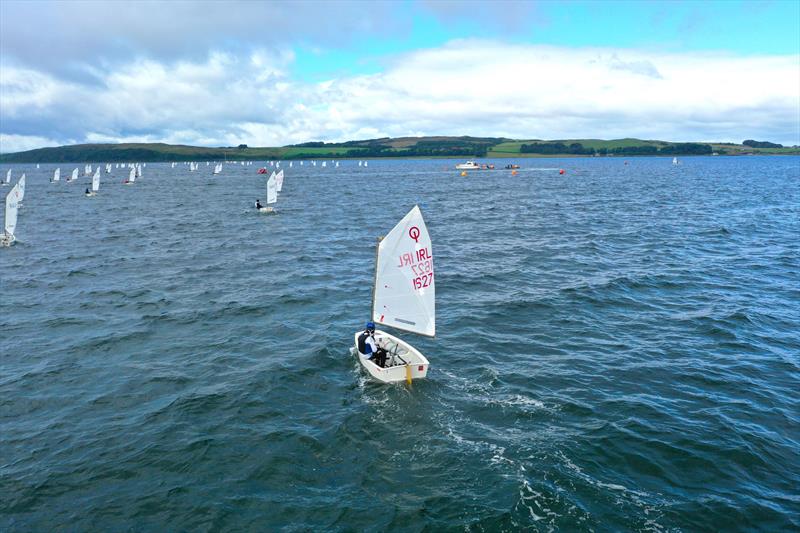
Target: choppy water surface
[617,349]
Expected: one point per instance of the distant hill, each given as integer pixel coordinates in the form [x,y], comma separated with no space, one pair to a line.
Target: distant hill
[468,147]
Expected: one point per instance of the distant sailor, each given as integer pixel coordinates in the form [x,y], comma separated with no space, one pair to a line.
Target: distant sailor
[368,346]
[258,204]
[87,191]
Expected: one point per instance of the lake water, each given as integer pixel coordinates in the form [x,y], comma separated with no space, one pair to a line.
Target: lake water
[617,348]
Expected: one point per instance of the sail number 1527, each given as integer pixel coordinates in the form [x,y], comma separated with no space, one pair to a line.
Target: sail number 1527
[424,274]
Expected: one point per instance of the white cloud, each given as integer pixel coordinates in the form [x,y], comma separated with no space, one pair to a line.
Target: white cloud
[20,143]
[464,88]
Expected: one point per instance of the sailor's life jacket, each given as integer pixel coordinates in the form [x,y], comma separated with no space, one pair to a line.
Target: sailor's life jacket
[363,347]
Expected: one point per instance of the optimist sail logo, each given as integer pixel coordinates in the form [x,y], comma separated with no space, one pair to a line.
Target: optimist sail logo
[414,233]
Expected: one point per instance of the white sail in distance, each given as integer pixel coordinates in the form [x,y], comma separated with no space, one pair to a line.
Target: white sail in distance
[272,189]
[279,180]
[8,176]
[57,174]
[21,188]
[404,296]
[12,205]
[74,174]
[96,180]
[132,176]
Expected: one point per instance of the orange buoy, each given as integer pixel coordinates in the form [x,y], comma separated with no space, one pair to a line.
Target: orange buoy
[513,172]
[463,172]
[562,171]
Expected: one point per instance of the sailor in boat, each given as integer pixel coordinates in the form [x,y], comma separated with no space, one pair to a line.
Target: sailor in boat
[258,204]
[368,347]
[87,191]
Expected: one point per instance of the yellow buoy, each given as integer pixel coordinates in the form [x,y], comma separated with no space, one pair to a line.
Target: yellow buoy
[408,374]
[463,172]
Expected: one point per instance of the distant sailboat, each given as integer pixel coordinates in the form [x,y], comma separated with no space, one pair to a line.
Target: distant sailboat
[74,175]
[279,180]
[57,175]
[674,160]
[8,177]
[366,164]
[87,170]
[10,226]
[272,194]
[131,177]
[95,183]
[21,185]
[403,297]
[217,168]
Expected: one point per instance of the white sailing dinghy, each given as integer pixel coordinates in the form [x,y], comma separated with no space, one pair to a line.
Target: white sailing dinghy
[95,183]
[279,180]
[8,177]
[404,298]
[20,190]
[674,160]
[57,175]
[12,205]
[74,175]
[272,194]
[131,177]
[217,168]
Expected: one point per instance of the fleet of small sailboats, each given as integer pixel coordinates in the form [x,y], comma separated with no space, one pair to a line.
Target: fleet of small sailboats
[403,291]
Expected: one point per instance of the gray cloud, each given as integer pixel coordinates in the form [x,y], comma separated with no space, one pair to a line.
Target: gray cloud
[66,36]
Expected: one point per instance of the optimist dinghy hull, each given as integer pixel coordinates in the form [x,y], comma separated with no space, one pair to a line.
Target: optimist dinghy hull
[401,358]
[268,210]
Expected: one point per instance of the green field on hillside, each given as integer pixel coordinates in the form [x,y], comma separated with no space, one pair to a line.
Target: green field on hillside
[450,147]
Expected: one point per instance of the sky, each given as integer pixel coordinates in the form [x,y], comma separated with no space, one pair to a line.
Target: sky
[276,73]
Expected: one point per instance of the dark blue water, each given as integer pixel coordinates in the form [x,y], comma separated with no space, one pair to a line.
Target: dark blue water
[618,349]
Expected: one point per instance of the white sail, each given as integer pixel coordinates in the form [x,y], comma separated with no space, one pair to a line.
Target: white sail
[272,189]
[290,164]
[139,170]
[132,176]
[37,165]
[21,188]
[74,174]
[96,180]
[87,170]
[324,163]
[12,205]
[8,176]
[279,180]
[405,291]
[57,175]
[366,164]
[674,160]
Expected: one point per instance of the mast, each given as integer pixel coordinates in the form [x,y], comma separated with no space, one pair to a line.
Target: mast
[375,277]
